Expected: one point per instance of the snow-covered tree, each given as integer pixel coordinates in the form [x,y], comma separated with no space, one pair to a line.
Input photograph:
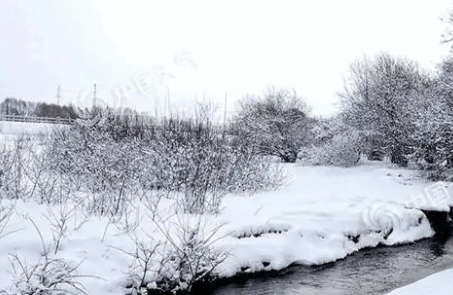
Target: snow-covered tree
[447,36]
[276,122]
[433,118]
[377,98]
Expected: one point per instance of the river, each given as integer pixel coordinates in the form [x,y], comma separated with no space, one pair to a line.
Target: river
[371,271]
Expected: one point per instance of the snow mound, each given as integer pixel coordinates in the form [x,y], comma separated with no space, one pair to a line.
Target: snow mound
[438,284]
[277,246]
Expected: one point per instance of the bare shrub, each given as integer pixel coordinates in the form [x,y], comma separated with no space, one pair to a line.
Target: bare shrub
[48,276]
[151,199]
[142,269]
[59,223]
[5,215]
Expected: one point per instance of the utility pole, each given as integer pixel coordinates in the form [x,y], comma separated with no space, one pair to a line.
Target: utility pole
[58,94]
[225,109]
[224,116]
[94,96]
[168,98]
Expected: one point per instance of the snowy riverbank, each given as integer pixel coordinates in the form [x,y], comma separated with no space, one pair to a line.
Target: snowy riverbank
[322,215]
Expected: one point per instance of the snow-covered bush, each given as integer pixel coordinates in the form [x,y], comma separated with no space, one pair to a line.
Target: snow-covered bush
[344,150]
[14,167]
[118,124]
[49,276]
[90,161]
[183,260]
[333,144]
[276,123]
[190,156]
[25,173]
[5,171]
[192,258]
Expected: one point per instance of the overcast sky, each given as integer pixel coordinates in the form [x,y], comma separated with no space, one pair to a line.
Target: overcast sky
[140,53]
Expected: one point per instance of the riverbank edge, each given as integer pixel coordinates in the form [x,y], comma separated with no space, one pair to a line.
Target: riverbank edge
[440,221]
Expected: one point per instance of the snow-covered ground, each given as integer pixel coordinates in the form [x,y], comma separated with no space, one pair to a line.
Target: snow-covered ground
[10,131]
[17,128]
[436,284]
[321,215]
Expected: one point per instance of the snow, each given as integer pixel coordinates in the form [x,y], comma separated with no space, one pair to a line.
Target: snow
[323,214]
[438,284]
[17,128]
[307,222]
[9,131]
[310,221]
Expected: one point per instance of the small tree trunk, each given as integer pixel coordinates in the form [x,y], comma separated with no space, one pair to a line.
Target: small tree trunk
[398,158]
[289,156]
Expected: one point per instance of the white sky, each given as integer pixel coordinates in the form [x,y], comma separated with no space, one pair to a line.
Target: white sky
[238,47]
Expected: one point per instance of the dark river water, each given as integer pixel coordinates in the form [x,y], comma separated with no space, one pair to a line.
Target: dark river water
[372,271]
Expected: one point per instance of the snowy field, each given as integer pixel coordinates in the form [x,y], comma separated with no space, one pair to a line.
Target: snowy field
[321,215]
[11,130]
[17,128]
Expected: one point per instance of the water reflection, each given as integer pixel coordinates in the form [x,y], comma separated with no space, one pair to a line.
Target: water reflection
[371,271]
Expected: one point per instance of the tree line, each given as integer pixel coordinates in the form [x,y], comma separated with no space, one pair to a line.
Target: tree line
[18,107]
